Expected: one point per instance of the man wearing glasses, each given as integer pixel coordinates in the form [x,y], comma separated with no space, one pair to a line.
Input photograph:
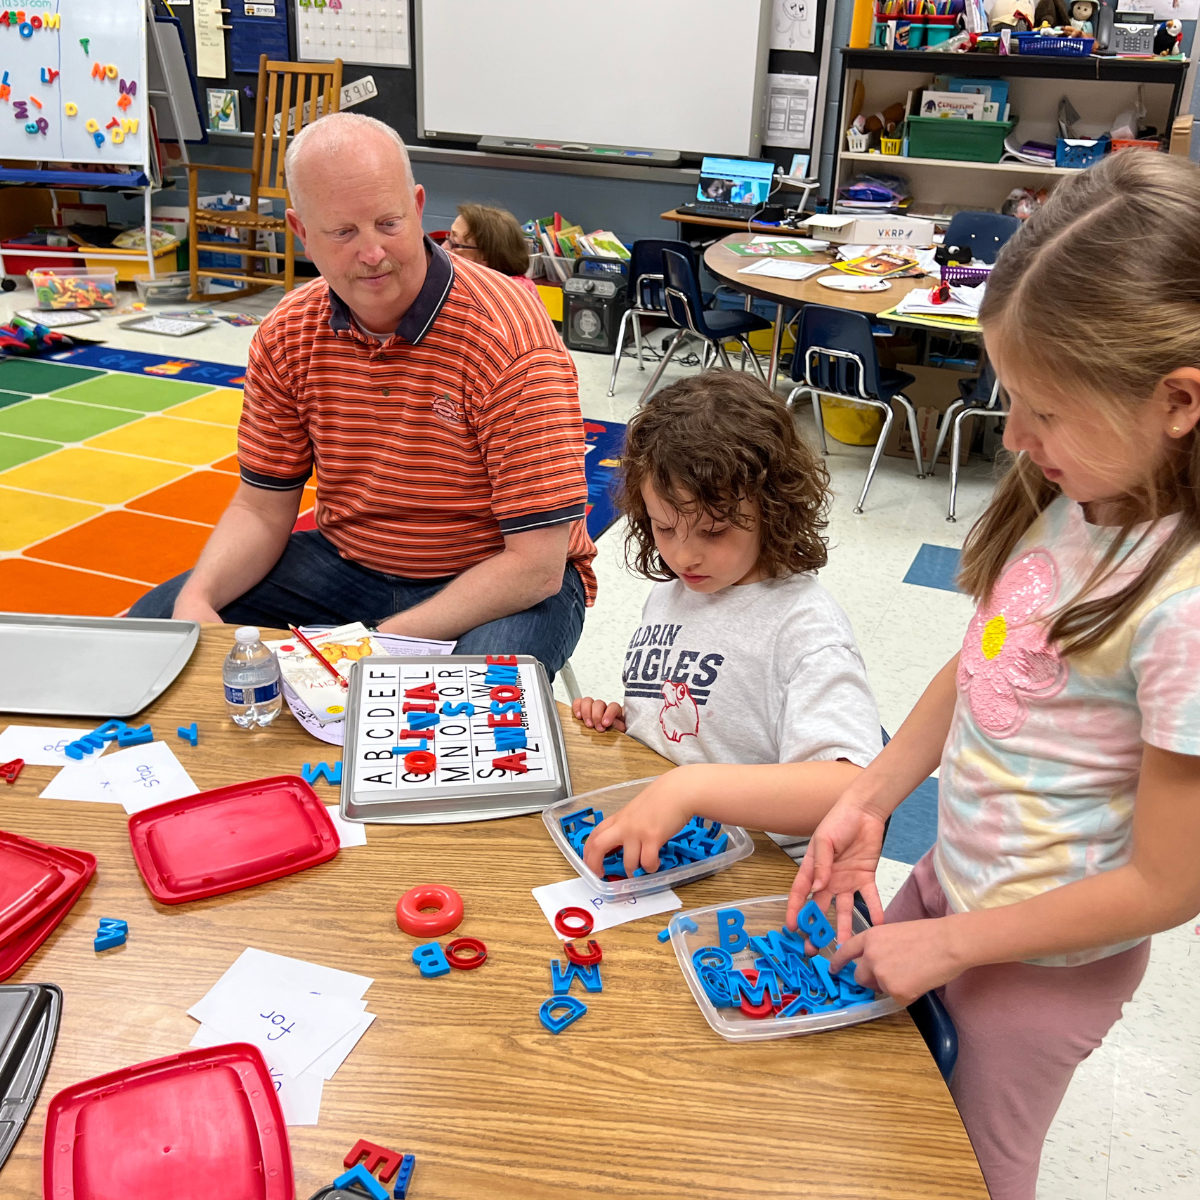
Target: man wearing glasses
[440,412]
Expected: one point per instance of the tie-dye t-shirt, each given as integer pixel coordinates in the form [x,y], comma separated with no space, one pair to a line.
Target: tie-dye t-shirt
[1040,770]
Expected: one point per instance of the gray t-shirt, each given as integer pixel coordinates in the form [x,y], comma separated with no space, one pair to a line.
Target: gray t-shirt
[762,673]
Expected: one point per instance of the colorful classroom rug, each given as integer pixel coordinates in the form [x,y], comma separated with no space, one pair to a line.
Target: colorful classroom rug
[115,465]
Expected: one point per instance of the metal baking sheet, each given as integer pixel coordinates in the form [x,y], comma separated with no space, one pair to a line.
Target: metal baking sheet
[89,666]
[29,1015]
[368,794]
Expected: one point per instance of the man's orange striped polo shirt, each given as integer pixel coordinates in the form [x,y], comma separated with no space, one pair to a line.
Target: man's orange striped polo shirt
[431,446]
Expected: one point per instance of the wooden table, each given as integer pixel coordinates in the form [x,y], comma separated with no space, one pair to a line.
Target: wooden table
[638,1099]
[789,293]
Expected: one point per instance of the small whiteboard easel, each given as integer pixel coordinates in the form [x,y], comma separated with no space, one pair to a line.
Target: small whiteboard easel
[74,88]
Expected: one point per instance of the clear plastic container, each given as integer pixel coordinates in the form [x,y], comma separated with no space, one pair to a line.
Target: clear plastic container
[175,285]
[89,288]
[611,800]
[761,915]
[251,676]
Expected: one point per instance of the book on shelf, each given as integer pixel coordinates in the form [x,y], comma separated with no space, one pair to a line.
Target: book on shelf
[964,106]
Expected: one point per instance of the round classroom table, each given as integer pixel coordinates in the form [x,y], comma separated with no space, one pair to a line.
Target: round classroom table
[638,1099]
[788,293]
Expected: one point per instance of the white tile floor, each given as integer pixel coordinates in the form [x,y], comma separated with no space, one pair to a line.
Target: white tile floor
[1130,1124]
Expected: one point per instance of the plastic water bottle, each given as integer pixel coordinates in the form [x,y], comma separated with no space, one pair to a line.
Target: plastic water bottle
[251,676]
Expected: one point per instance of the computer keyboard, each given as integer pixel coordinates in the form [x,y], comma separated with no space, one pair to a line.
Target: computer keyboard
[718,208]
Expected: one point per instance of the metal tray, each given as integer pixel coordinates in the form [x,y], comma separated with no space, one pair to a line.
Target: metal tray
[89,666]
[444,802]
[29,1014]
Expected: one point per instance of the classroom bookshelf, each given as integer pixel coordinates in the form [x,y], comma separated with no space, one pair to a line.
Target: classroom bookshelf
[1099,88]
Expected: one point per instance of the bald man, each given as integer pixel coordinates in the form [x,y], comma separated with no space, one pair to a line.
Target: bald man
[440,412]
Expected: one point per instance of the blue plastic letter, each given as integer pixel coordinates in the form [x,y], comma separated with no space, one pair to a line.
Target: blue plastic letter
[432,961]
[729,929]
[360,1175]
[575,1010]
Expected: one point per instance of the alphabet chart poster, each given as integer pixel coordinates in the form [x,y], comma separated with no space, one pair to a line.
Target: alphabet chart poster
[371,32]
[458,736]
[73,81]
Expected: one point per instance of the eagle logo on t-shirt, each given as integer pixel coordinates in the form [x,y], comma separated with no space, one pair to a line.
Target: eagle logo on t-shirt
[679,716]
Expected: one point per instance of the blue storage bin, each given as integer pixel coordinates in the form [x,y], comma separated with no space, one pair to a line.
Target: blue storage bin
[1080,156]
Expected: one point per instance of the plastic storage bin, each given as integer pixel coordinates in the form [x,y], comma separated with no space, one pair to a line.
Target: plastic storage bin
[135,264]
[611,800]
[1080,156]
[17,260]
[761,915]
[954,138]
[175,285]
[89,288]
[1055,47]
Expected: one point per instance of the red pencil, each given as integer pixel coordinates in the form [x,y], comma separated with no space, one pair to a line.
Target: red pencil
[320,657]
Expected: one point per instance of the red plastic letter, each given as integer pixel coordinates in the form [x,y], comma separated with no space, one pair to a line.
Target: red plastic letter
[419,762]
[509,720]
[425,692]
[511,762]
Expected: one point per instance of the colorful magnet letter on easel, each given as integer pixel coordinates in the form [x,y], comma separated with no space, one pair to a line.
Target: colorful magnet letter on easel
[92,125]
[84,43]
[110,71]
[72,110]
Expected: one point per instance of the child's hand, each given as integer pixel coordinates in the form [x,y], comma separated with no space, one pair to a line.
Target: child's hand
[841,860]
[595,714]
[905,960]
[642,827]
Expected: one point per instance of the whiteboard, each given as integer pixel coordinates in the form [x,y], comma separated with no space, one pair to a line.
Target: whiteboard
[115,32]
[681,75]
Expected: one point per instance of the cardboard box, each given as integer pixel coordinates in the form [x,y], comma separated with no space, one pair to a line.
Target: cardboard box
[871,231]
[935,389]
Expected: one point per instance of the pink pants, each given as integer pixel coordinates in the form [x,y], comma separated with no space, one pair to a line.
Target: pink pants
[1022,1031]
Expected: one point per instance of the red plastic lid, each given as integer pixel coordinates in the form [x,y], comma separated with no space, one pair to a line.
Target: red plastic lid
[230,838]
[15,952]
[34,880]
[194,1126]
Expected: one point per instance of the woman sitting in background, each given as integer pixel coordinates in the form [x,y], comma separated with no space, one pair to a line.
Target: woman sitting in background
[491,236]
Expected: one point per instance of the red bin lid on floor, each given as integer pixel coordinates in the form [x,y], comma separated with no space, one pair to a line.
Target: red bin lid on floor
[194,1126]
[230,838]
[35,879]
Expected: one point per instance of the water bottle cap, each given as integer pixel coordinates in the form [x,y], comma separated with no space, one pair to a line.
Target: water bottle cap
[247,633]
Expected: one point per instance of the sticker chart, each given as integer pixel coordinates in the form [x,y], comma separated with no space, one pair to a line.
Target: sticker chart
[455,735]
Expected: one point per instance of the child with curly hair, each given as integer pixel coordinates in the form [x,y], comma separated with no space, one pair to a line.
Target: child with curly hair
[741,656]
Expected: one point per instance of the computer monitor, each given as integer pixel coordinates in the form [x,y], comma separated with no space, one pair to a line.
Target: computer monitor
[735,180]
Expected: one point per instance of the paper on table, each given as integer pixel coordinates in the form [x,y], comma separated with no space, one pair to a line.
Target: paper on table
[781,269]
[292,1028]
[334,732]
[328,1063]
[350,833]
[299,1095]
[254,966]
[575,893]
[40,745]
[136,778]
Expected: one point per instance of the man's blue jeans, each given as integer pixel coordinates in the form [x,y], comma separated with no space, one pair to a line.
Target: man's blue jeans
[312,584]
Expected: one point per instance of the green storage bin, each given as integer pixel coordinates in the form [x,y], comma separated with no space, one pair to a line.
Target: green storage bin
[951,137]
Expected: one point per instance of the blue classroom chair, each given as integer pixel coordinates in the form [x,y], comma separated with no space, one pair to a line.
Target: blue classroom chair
[835,356]
[685,310]
[930,1017]
[646,293]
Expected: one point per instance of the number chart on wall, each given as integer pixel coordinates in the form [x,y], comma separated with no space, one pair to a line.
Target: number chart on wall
[463,734]
[73,81]
[371,32]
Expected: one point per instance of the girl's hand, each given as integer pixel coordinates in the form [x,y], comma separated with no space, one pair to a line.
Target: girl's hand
[595,714]
[841,860]
[642,826]
[905,960]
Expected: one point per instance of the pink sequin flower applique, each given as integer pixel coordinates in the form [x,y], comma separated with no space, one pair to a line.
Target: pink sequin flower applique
[1005,658]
